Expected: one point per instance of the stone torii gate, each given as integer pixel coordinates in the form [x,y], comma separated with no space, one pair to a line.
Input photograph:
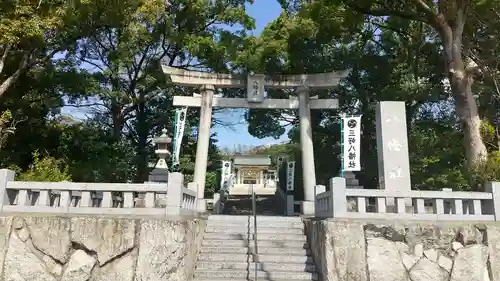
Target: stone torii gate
[256,85]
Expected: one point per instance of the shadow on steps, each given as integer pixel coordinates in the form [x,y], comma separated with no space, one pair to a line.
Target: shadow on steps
[242,205]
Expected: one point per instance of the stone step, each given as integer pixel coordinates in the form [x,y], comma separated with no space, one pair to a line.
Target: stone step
[247,218]
[260,230]
[349,175]
[260,237]
[271,266]
[250,250]
[250,278]
[260,243]
[285,275]
[246,224]
[215,257]
[351,182]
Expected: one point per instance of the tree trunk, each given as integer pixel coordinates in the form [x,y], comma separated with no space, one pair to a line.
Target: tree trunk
[7,83]
[142,130]
[117,119]
[461,80]
[467,111]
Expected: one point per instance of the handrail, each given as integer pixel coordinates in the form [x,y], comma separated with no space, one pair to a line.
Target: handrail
[254,210]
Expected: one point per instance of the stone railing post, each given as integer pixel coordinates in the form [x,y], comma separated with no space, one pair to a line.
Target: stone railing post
[339,199]
[493,207]
[447,204]
[5,176]
[317,190]
[193,186]
[175,195]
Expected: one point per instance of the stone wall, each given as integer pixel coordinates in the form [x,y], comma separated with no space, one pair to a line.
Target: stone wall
[97,249]
[390,251]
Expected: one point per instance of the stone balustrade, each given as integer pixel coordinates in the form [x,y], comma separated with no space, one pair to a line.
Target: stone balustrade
[171,198]
[425,205]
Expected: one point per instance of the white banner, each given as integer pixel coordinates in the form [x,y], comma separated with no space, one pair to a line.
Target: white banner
[290,175]
[180,124]
[351,129]
[225,174]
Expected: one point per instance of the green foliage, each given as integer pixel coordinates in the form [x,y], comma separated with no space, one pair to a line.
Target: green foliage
[111,72]
[211,183]
[284,149]
[391,58]
[6,127]
[45,169]
[484,172]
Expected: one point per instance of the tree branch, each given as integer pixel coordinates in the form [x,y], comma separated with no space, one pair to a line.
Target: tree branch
[4,57]
[23,65]
[426,9]
[381,12]
[86,105]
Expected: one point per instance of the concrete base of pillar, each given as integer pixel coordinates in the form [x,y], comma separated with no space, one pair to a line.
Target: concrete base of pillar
[201,205]
[307,208]
[290,205]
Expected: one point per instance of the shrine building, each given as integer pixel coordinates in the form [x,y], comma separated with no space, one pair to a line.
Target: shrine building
[253,171]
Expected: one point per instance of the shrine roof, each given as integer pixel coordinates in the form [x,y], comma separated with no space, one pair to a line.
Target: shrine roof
[252,160]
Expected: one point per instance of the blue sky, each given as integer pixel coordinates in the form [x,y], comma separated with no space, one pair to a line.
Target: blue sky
[264,11]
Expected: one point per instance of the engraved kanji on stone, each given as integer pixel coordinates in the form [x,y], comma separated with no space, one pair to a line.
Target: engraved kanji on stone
[395,173]
[394,145]
[393,119]
[255,87]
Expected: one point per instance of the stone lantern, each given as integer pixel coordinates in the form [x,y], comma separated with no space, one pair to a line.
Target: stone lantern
[160,172]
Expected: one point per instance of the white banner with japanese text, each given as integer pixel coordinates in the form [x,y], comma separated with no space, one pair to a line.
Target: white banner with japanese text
[180,124]
[225,174]
[351,135]
[290,176]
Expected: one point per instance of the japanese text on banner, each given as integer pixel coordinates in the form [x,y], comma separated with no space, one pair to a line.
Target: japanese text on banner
[351,146]
[180,119]
[225,174]
[290,177]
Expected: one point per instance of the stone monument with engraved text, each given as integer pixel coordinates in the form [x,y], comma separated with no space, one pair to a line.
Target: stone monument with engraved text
[392,147]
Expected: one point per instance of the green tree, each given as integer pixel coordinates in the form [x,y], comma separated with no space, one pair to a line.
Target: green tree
[33,32]
[45,169]
[124,58]
[391,59]
[455,25]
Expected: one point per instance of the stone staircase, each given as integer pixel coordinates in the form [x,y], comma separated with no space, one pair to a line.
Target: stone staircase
[227,251]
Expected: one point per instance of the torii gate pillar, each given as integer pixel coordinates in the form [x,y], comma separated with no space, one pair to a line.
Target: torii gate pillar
[307,148]
[202,146]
